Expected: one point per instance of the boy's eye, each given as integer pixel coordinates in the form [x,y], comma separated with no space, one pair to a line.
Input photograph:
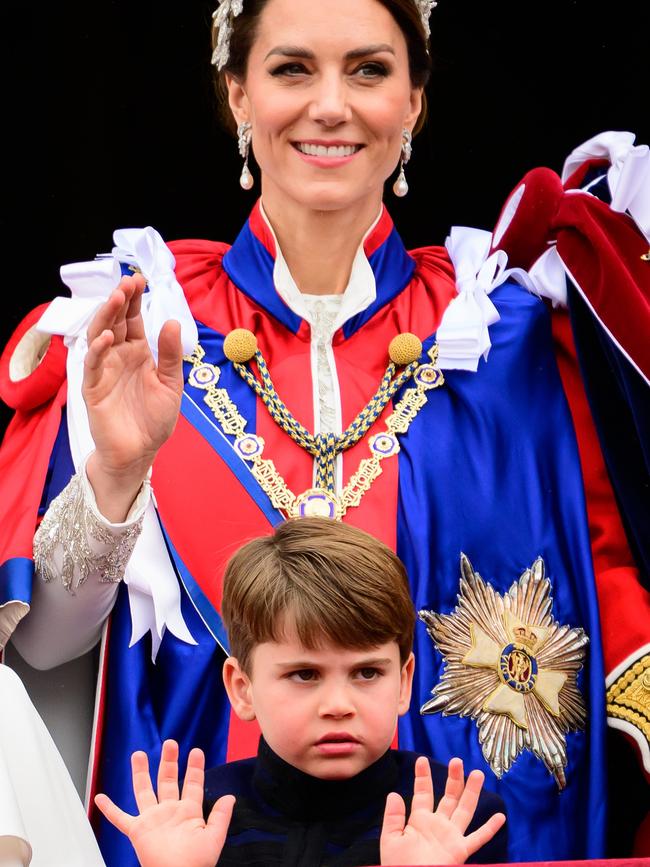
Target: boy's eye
[303,675]
[369,673]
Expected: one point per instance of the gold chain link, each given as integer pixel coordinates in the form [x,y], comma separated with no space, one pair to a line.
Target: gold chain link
[315,501]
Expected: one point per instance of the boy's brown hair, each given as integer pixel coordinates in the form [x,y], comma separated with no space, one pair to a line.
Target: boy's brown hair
[331,582]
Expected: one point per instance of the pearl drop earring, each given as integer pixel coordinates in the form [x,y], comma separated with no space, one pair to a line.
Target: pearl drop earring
[400,187]
[245,135]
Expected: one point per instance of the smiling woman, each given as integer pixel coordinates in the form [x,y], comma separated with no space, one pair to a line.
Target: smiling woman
[327,116]
[317,367]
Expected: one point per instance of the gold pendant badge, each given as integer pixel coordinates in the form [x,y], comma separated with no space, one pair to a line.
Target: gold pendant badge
[322,500]
[511,667]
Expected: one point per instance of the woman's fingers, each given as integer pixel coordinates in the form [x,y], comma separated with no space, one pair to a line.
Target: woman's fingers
[394,816]
[168,772]
[194,777]
[170,356]
[485,833]
[113,313]
[107,314]
[95,358]
[422,786]
[134,323]
[453,788]
[142,788]
[121,820]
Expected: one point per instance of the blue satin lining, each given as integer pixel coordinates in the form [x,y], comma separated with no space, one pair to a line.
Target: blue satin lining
[16,576]
[491,468]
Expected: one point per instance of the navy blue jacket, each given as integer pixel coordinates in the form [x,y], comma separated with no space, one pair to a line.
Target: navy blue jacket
[286,817]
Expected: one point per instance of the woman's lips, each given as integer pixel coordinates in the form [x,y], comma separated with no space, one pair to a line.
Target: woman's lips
[326,162]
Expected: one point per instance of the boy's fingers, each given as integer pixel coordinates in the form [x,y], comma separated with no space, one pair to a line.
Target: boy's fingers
[453,789]
[121,820]
[142,788]
[194,777]
[168,772]
[422,786]
[485,833]
[219,820]
[464,812]
[394,816]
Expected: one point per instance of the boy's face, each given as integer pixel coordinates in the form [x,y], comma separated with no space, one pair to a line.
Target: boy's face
[330,712]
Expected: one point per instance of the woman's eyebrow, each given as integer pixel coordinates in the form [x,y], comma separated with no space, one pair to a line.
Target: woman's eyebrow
[306,54]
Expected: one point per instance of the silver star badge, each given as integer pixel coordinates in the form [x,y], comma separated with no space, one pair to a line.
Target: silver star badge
[511,667]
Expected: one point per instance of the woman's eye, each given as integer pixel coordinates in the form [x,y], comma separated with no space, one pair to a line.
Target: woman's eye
[373,70]
[290,69]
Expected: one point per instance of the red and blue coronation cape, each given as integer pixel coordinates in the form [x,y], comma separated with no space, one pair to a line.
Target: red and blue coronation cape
[490,467]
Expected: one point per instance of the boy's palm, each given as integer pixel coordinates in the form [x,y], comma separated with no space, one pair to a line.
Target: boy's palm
[170,831]
[436,838]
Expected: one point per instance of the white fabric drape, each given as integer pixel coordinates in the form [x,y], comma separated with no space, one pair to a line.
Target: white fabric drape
[42,820]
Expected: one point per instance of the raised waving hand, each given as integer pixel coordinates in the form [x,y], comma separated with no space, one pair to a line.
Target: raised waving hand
[132,403]
[436,837]
[170,830]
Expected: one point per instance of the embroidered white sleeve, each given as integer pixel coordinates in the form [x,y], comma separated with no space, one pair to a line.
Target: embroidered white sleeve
[75,540]
[82,558]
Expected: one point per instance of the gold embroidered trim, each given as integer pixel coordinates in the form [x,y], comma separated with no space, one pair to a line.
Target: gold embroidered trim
[628,698]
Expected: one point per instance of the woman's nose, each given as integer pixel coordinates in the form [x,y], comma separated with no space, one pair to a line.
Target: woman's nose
[330,104]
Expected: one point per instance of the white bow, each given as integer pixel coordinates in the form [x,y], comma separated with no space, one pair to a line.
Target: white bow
[628,176]
[165,300]
[463,335]
[154,593]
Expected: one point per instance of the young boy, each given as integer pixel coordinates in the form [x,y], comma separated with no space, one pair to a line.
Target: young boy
[320,623]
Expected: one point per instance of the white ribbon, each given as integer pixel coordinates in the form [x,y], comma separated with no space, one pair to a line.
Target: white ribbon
[154,599]
[628,176]
[547,278]
[165,300]
[463,336]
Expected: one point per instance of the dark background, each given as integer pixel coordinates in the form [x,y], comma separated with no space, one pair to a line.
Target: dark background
[109,122]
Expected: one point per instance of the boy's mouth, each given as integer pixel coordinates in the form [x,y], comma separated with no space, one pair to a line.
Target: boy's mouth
[337,744]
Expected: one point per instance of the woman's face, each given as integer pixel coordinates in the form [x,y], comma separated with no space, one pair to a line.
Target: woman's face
[328,93]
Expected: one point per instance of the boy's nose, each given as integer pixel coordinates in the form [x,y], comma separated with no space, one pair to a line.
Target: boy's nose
[336,703]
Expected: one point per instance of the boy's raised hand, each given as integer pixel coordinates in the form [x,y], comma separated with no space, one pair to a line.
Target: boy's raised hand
[436,838]
[170,831]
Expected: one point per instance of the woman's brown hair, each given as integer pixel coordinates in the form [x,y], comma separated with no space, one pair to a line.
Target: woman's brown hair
[245,26]
[329,582]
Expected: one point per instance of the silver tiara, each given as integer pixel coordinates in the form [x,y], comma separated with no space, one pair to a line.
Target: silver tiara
[227,10]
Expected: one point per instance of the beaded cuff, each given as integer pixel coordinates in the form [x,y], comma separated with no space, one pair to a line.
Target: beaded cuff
[71,527]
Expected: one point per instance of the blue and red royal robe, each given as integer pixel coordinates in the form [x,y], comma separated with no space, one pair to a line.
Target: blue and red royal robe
[491,467]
